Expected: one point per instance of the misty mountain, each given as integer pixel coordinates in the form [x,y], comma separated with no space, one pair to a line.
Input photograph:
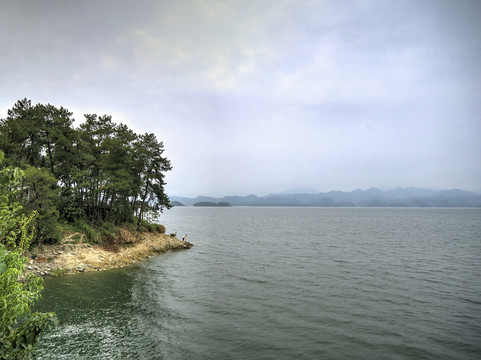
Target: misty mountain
[373,197]
[298,190]
[407,193]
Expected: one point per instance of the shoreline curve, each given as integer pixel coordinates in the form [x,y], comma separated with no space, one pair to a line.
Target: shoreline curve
[70,258]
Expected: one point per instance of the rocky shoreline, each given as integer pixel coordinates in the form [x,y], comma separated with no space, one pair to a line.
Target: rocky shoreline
[76,256]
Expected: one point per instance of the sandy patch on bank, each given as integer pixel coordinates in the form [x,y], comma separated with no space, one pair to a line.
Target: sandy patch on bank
[70,257]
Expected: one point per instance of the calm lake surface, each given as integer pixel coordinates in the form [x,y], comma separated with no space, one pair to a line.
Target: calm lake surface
[284,283]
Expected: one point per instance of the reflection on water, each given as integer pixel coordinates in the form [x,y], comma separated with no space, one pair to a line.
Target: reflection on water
[95,314]
[284,283]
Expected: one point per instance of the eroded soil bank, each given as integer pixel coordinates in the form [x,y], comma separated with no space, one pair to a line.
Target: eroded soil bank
[74,255]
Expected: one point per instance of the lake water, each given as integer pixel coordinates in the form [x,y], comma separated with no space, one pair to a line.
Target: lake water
[284,283]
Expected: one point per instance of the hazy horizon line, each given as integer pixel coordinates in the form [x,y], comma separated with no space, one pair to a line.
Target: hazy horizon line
[290,191]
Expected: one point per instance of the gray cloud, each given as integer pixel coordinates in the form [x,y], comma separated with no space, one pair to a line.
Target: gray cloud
[258,96]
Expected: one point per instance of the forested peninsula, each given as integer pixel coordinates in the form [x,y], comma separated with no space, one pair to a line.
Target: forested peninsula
[88,184]
[73,199]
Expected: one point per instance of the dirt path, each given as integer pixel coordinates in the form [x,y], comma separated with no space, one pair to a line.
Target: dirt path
[73,255]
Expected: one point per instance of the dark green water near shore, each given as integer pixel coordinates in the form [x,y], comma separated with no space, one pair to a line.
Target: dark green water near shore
[284,283]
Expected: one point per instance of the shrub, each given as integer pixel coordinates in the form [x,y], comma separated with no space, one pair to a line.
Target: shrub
[76,238]
[58,272]
[147,226]
[111,244]
[108,229]
[92,234]
[47,231]
[19,328]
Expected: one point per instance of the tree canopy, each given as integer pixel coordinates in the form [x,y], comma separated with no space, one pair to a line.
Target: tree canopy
[97,172]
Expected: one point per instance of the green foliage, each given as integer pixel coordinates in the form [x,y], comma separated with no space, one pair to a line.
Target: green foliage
[97,234]
[10,211]
[39,195]
[145,225]
[19,328]
[76,238]
[99,172]
[92,234]
[16,231]
[68,206]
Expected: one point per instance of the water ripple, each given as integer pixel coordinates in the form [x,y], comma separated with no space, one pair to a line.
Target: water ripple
[283,283]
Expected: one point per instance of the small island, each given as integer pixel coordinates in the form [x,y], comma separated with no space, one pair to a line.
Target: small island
[176,203]
[210,203]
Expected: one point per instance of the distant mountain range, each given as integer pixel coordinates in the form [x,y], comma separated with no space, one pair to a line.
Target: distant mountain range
[400,197]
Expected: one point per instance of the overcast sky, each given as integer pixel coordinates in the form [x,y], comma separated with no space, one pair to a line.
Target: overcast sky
[261,96]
